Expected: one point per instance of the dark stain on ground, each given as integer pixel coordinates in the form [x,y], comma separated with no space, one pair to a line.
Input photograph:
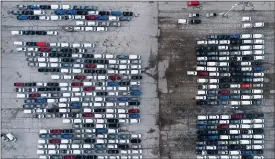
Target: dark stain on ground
[178,47]
[151,131]
[166,122]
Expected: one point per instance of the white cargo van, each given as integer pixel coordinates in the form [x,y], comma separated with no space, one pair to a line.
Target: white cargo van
[202,80]
[21,95]
[29,111]
[202,117]
[235,102]
[132,57]
[258,57]
[134,72]
[42,141]
[224,137]
[201,92]
[109,56]
[66,121]
[99,115]
[245,47]
[16,33]
[245,142]
[258,96]
[93,23]
[246,19]
[87,110]
[65,70]
[246,102]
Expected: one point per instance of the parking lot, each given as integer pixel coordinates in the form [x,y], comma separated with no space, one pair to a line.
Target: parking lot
[130,38]
[177,55]
[168,110]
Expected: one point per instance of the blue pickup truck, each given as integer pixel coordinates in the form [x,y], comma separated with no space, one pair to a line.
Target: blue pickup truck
[22,17]
[258,68]
[112,84]
[40,100]
[76,104]
[102,17]
[67,136]
[71,12]
[116,13]
[134,116]
[101,131]
[135,93]
[60,12]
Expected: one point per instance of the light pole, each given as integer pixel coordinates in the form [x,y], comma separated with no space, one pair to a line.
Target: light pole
[230,9]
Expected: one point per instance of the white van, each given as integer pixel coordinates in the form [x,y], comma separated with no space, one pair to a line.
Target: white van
[42,141]
[109,56]
[92,23]
[101,141]
[77,70]
[21,43]
[213,80]
[63,105]
[16,33]
[77,152]
[122,116]
[246,19]
[108,116]
[121,111]
[133,57]
[29,111]
[123,67]
[245,142]
[63,146]
[245,126]
[87,146]
[224,137]
[21,95]
[258,142]
[202,117]
[88,45]
[234,152]
[246,121]
[40,152]
[258,47]
[134,72]
[43,131]
[258,96]
[258,57]
[97,104]
[11,137]
[202,80]
[246,102]
[75,146]
[87,110]
[258,52]
[65,70]
[101,29]
[99,116]
[110,110]
[235,102]
[62,110]
[113,61]
[76,99]
[99,99]
[245,47]
[109,104]
[66,121]
[257,91]
[201,92]
[247,25]
[65,141]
